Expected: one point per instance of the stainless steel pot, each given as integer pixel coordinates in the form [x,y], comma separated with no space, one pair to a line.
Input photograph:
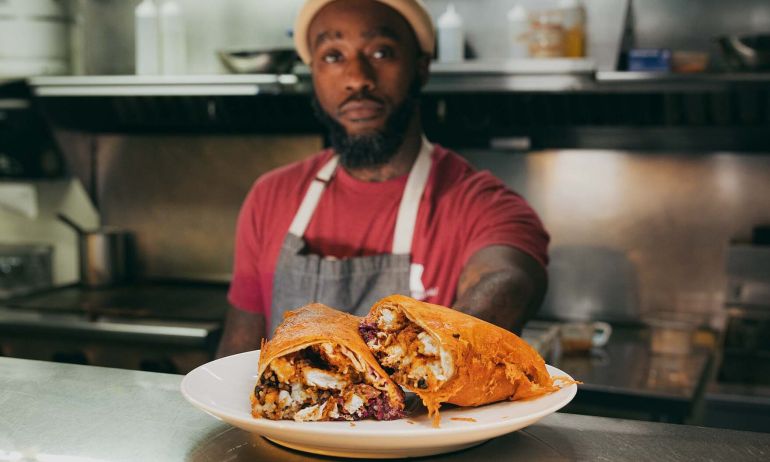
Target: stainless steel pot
[105,257]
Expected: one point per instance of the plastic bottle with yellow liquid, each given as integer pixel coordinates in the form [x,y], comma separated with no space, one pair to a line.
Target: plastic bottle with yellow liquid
[574,23]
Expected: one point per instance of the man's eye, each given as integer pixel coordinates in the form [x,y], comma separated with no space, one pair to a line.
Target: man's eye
[383,53]
[332,57]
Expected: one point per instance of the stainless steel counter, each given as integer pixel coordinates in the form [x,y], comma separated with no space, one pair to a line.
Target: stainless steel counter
[66,412]
[154,326]
[626,376]
[81,326]
[174,314]
[627,365]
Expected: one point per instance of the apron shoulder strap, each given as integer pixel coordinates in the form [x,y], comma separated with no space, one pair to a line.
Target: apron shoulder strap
[407,210]
[312,196]
[410,201]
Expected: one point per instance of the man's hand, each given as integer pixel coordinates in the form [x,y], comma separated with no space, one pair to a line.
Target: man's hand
[501,285]
[243,332]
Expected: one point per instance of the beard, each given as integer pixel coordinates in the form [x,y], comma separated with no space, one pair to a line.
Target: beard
[371,149]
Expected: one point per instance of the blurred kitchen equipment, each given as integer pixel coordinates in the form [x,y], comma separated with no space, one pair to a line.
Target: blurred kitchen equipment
[581,337]
[671,332]
[748,277]
[27,147]
[275,61]
[518,29]
[24,268]
[760,235]
[746,346]
[33,37]
[104,255]
[173,39]
[686,62]
[147,38]
[451,37]
[747,53]
[739,397]
[77,37]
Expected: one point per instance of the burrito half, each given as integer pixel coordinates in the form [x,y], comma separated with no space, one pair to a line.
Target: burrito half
[317,368]
[445,356]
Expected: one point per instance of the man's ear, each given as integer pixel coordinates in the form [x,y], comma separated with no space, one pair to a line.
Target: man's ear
[423,68]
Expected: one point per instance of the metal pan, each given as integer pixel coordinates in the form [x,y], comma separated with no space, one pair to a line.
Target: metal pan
[746,53]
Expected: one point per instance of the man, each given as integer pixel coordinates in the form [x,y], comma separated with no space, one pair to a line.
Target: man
[383,211]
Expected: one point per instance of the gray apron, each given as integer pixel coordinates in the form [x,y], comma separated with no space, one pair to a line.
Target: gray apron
[351,284]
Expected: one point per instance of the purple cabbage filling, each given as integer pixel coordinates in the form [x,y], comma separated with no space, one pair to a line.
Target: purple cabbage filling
[378,408]
[367,331]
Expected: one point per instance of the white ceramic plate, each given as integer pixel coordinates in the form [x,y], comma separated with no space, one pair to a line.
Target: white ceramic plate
[222,388]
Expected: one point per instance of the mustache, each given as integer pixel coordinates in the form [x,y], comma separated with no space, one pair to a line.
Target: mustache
[361,96]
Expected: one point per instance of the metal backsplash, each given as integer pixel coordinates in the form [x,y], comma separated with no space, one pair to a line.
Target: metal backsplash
[179,195]
[637,232]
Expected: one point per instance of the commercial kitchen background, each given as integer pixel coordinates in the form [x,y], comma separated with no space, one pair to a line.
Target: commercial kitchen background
[633,230]
[666,218]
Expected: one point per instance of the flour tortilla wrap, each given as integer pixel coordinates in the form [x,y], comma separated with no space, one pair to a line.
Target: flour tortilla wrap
[445,356]
[317,367]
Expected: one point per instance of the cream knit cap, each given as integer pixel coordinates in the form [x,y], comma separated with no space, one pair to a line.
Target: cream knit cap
[413,11]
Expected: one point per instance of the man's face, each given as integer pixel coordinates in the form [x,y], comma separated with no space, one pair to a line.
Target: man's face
[367,70]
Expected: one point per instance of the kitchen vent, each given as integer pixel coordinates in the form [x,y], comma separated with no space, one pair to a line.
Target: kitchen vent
[27,148]
[183,114]
[606,110]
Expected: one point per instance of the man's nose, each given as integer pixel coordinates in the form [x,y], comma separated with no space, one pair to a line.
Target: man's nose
[360,75]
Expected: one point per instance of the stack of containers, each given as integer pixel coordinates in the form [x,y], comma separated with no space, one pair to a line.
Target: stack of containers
[33,38]
[160,37]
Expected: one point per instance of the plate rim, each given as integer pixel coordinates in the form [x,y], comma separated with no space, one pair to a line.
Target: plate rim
[337,428]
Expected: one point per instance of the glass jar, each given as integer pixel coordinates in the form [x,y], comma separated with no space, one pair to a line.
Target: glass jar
[546,38]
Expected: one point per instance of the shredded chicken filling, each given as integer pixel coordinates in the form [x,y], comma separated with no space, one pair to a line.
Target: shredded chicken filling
[321,382]
[409,354]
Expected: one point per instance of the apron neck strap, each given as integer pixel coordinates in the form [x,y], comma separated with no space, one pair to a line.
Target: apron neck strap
[312,196]
[407,210]
[410,201]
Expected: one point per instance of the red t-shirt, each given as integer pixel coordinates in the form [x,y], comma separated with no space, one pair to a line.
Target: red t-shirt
[462,211]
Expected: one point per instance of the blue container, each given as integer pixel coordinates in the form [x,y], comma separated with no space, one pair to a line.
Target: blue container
[649,60]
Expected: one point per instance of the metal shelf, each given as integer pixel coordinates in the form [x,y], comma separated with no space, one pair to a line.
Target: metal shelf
[185,85]
[547,83]
[525,76]
[666,81]
[529,66]
[668,77]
